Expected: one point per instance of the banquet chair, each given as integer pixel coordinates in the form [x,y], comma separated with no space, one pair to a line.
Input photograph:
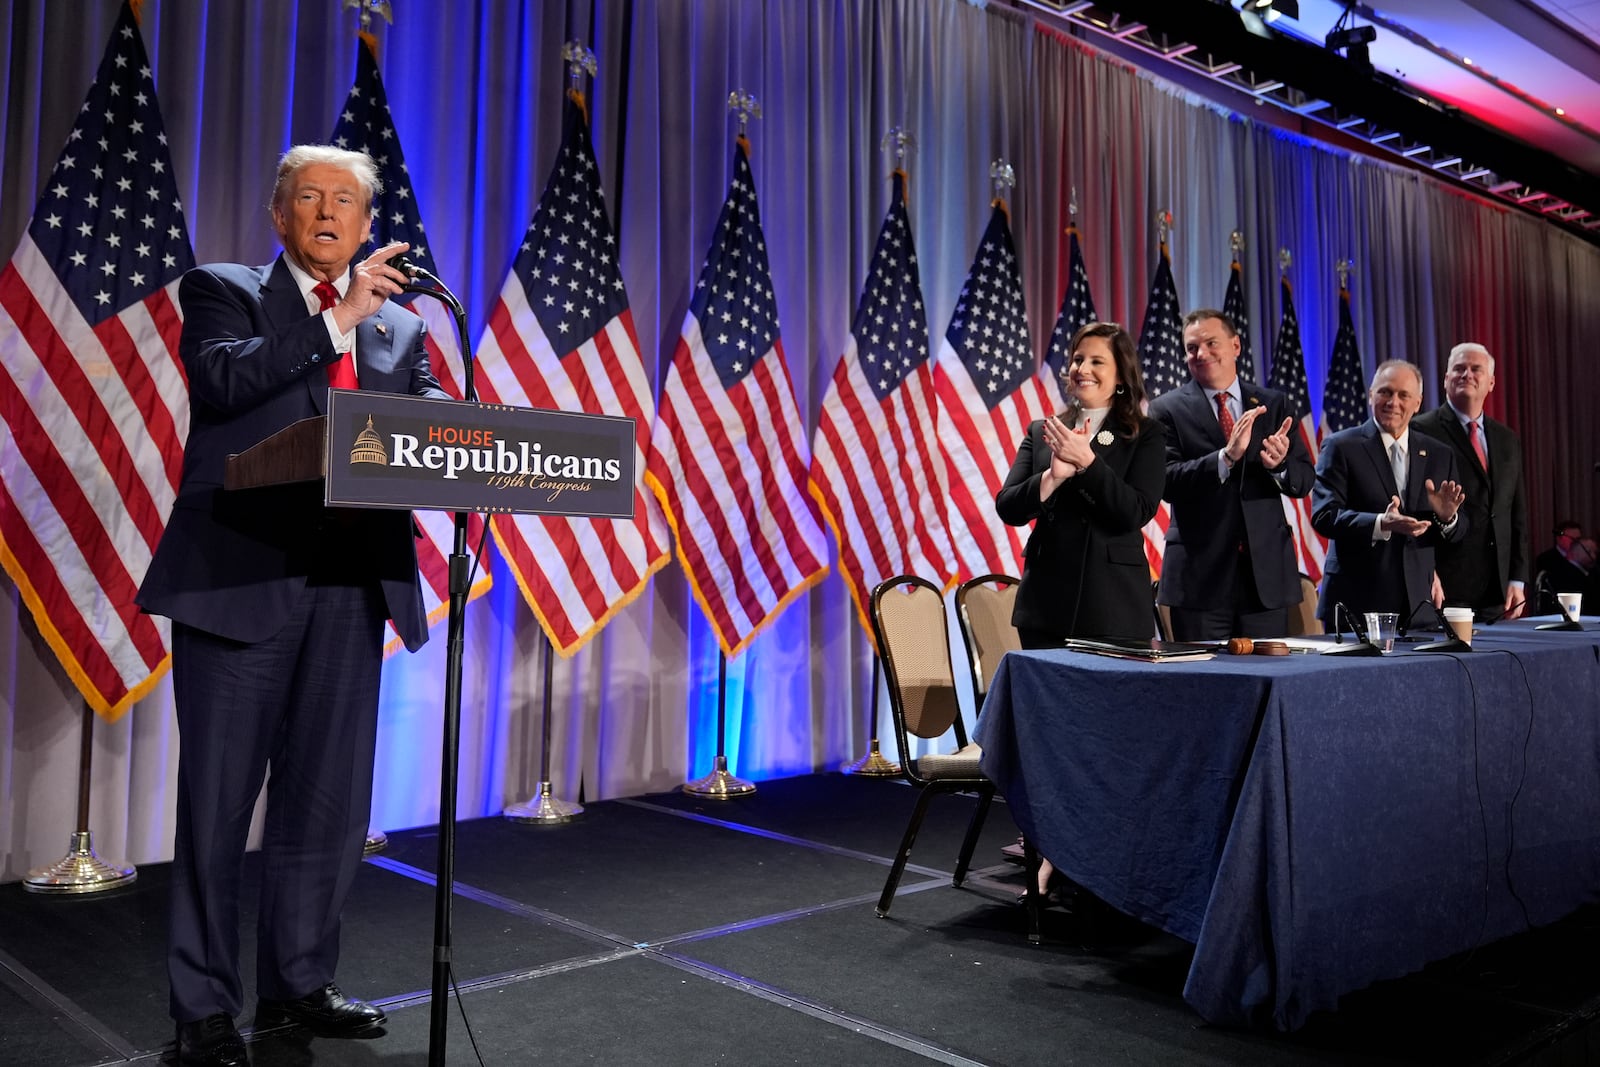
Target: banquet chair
[908,620]
[1303,616]
[1163,613]
[983,607]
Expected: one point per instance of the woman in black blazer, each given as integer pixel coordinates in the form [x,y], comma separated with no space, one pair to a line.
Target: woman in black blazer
[1089,478]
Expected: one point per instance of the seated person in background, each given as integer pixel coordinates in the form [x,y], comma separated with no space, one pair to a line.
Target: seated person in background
[1563,568]
[1574,572]
[1567,534]
[1089,479]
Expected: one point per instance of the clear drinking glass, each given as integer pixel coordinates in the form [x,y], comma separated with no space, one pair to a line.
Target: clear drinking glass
[1382,628]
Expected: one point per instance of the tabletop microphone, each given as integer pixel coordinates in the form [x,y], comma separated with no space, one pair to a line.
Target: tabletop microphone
[1363,645]
[1406,624]
[1450,642]
[1569,623]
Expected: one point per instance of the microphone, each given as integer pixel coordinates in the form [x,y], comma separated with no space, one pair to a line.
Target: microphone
[414,270]
[1411,618]
[1363,645]
[1450,643]
[425,282]
[1567,623]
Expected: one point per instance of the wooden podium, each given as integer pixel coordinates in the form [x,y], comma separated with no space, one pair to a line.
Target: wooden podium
[296,453]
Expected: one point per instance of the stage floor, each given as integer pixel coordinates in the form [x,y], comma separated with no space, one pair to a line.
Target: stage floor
[672,930]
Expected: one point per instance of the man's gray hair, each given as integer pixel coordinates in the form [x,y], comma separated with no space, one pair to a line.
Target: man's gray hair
[1416,372]
[1470,346]
[304,155]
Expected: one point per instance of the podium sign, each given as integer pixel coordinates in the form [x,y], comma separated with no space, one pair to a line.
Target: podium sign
[386,450]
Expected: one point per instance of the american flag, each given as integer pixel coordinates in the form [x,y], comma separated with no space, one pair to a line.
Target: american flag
[366,125]
[874,460]
[1161,362]
[562,336]
[1344,400]
[728,455]
[1077,308]
[95,403]
[988,394]
[1233,307]
[1289,378]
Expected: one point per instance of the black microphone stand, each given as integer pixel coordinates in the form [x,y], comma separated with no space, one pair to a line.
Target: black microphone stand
[1568,623]
[1363,645]
[1449,642]
[449,755]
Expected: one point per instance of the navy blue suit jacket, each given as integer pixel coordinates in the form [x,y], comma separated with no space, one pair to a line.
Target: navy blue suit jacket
[1084,571]
[234,563]
[1210,517]
[1494,553]
[1354,484]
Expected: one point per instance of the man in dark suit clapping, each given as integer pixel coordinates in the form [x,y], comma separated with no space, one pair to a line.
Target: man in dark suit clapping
[1487,570]
[277,606]
[1229,567]
[1385,496]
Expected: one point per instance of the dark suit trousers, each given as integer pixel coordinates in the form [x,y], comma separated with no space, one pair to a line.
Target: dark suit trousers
[304,701]
[1244,616]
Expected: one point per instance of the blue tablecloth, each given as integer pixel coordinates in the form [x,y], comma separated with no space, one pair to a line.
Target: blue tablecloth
[1312,823]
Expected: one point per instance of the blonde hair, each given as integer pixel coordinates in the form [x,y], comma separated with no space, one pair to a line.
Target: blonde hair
[304,155]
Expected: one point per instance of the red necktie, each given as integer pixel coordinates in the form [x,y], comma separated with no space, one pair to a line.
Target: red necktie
[1476,437]
[1224,416]
[341,375]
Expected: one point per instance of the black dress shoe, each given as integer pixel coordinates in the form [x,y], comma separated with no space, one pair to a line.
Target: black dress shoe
[326,1012]
[211,1042]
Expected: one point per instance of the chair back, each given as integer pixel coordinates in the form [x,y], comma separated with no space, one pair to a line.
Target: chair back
[1163,613]
[908,620]
[983,606]
[1303,616]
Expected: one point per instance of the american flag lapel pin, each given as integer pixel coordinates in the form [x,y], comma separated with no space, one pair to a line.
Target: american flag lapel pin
[1422,453]
[383,330]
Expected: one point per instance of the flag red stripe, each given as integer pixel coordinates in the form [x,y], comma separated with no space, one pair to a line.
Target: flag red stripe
[83,402]
[694,482]
[152,408]
[743,500]
[850,405]
[56,602]
[169,324]
[66,496]
[787,424]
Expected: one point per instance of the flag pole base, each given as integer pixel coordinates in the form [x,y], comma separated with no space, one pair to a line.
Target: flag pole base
[874,765]
[376,842]
[543,808]
[719,784]
[79,871]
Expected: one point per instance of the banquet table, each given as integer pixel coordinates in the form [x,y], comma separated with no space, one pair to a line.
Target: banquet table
[1312,823]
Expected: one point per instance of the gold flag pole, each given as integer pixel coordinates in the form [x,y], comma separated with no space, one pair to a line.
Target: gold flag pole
[544,807]
[376,840]
[721,784]
[874,764]
[80,870]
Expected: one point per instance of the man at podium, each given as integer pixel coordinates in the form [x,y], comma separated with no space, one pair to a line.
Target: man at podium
[277,606]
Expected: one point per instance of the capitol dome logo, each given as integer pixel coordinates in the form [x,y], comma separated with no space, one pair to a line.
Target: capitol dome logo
[369,447]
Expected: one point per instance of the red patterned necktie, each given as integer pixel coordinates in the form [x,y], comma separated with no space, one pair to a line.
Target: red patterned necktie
[1224,416]
[1476,437]
[341,375]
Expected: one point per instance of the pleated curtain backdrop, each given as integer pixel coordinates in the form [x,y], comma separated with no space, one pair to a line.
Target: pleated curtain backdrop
[475,88]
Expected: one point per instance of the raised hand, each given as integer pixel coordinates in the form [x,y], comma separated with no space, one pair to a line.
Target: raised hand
[372,283]
[1395,521]
[1239,440]
[1275,447]
[1446,499]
